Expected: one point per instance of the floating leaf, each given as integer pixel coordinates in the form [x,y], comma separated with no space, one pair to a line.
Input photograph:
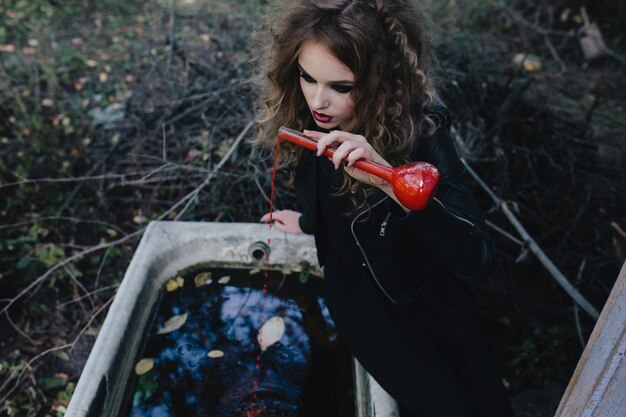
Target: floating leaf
[224,280]
[271,332]
[171,285]
[174,284]
[174,323]
[203,278]
[215,353]
[144,366]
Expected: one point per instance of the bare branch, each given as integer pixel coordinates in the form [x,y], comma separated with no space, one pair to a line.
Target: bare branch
[535,248]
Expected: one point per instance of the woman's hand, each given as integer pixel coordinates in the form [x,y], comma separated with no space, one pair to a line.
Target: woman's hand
[285,220]
[350,147]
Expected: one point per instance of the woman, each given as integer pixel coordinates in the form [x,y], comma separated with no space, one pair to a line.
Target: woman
[354,75]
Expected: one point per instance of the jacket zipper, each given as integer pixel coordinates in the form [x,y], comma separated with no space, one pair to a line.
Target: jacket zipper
[383,225]
[452,214]
[369,266]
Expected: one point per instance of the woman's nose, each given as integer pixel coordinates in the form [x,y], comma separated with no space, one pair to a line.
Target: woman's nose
[320,99]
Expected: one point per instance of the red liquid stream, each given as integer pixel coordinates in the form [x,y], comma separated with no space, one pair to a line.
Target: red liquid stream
[253,412]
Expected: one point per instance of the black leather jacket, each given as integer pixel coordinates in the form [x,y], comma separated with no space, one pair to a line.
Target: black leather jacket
[405,251]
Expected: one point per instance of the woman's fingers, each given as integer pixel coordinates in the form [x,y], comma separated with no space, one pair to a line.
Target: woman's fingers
[349,149]
[284,220]
[335,137]
[276,216]
[314,134]
[355,155]
[346,149]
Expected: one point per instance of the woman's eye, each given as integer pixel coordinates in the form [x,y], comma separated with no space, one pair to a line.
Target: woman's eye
[343,89]
[306,77]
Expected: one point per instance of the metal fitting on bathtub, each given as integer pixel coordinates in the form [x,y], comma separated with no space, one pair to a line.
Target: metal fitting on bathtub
[259,251]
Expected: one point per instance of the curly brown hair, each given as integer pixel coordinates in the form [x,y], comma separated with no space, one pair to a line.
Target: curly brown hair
[385,43]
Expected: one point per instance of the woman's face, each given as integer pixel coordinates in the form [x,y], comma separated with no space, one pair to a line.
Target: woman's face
[327,85]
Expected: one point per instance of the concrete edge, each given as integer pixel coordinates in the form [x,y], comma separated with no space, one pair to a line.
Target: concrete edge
[166,249]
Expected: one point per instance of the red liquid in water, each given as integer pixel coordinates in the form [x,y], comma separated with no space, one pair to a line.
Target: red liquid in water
[253,412]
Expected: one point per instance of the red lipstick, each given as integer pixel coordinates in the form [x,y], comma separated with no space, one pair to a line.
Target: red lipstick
[321,117]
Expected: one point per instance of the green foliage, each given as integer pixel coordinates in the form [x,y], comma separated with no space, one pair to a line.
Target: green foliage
[49,383]
[24,17]
[9,371]
[26,403]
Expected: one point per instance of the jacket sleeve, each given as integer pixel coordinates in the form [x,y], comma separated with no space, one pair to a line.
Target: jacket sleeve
[306,223]
[305,183]
[451,226]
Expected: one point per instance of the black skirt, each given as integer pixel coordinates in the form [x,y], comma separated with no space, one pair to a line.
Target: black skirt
[432,356]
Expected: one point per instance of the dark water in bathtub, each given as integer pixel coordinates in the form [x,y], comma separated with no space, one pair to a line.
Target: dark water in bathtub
[208,366]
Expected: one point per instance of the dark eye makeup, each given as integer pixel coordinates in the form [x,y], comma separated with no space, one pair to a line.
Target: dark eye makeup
[340,88]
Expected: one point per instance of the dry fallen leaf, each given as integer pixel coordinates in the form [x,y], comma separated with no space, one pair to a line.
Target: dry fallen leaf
[203,278]
[7,48]
[255,271]
[271,332]
[174,284]
[215,354]
[287,270]
[144,366]
[174,323]
[171,285]
[529,62]
[223,280]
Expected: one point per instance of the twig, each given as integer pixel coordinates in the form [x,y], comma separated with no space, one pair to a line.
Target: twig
[93,317]
[576,315]
[93,169]
[598,42]
[164,139]
[77,179]
[190,197]
[535,248]
[171,39]
[518,18]
[67,261]
[71,219]
[619,230]
[530,242]
[50,350]
[79,285]
[104,258]
[91,293]
[504,233]
[555,54]
[17,329]
[26,367]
